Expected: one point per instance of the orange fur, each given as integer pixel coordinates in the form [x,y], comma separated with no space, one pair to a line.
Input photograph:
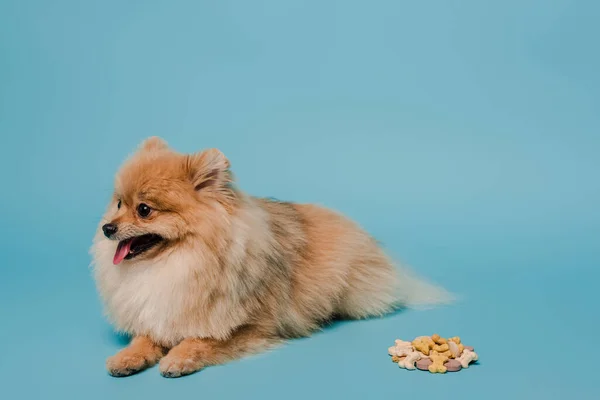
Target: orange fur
[141,353]
[193,354]
[233,274]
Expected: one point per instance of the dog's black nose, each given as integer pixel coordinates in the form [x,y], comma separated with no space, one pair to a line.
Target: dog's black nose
[109,230]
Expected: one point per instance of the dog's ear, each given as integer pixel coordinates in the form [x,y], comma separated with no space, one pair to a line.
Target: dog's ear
[209,169]
[153,143]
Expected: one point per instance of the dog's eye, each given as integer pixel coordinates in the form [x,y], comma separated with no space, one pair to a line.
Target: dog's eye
[143,210]
[119,204]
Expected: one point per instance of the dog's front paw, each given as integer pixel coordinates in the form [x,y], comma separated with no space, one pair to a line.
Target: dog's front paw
[126,363]
[174,366]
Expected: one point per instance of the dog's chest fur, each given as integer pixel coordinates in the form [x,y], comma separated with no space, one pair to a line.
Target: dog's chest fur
[167,299]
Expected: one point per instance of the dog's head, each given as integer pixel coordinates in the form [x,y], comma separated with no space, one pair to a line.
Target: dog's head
[162,197]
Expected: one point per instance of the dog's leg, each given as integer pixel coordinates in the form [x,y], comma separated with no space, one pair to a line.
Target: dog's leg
[192,355]
[141,353]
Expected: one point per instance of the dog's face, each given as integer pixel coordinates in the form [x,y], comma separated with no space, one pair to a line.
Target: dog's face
[162,197]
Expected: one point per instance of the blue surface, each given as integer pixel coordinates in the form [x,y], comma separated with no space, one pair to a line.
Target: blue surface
[464,135]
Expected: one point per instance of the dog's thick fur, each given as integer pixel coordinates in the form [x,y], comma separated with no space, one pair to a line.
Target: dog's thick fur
[233,274]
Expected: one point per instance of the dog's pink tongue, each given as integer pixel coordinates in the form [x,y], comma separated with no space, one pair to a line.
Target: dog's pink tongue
[122,251]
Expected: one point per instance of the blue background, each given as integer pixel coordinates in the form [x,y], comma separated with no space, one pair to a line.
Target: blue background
[462,134]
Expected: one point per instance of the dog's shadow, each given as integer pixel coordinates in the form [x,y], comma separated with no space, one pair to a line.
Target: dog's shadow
[338,321]
[117,339]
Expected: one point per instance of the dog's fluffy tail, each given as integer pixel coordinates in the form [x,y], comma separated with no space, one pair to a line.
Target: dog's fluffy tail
[415,292]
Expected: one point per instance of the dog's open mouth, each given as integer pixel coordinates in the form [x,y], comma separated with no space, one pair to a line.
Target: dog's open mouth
[132,247]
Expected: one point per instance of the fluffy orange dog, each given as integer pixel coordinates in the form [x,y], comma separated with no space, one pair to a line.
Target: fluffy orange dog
[200,273]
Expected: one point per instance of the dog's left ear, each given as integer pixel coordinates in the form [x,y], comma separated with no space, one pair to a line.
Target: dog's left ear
[209,168]
[153,143]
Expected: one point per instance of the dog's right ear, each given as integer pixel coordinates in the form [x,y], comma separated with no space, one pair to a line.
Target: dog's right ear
[153,143]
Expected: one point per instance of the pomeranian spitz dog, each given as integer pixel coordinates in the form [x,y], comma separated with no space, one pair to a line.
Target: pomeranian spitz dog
[199,273]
